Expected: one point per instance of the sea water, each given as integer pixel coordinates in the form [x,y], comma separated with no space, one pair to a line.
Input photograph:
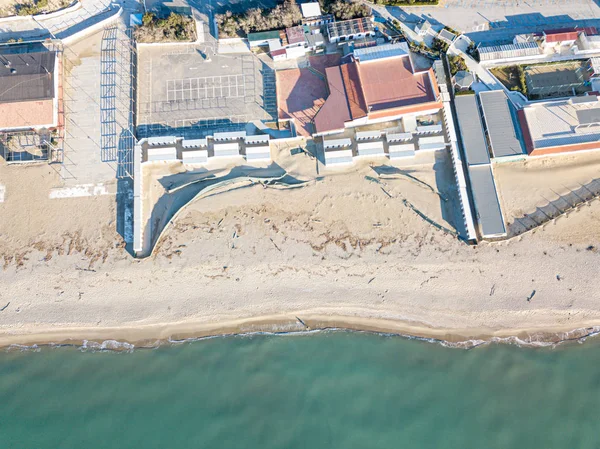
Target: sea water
[324,390]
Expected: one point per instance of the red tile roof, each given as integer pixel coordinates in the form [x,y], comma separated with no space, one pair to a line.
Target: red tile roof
[590,31]
[26,114]
[335,111]
[568,34]
[390,83]
[354,90]
[529,146]
[295,35]
[380,88]
[279,51]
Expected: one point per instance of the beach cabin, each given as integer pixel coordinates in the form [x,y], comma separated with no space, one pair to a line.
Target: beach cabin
[401,150]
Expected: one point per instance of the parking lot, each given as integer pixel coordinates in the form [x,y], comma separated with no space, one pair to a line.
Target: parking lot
[497,21]
[186,89]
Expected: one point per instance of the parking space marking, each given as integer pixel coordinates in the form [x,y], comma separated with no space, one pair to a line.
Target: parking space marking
[223,86]
[2,193]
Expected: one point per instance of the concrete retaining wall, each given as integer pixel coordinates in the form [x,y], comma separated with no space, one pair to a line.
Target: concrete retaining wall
[92,29]
[51,15]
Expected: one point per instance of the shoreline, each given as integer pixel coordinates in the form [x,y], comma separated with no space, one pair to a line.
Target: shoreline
[151,336]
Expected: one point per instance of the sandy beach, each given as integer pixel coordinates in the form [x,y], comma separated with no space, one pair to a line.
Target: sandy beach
[343,251]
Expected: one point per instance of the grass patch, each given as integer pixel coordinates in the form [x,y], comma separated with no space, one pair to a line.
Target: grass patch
[176,27]
[508,76]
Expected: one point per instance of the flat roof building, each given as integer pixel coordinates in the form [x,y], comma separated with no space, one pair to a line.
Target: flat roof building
[483,188]
[310,10]
[28,90]
[561,126]
[263,38]
[501,132]
[487,205]
[471,130]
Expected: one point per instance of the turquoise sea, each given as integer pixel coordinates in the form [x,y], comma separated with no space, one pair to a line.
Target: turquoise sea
[324,390]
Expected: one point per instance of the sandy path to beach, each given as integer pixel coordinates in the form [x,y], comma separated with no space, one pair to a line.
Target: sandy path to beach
[342,251]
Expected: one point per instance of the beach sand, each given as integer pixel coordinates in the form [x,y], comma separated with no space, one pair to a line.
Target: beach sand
[344,251]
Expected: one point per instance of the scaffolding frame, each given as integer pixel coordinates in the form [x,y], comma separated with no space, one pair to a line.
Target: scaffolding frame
[118,66]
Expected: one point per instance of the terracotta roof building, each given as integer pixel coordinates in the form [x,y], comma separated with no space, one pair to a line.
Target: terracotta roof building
[28,90]
[375,90]
[563,35]
[295,35]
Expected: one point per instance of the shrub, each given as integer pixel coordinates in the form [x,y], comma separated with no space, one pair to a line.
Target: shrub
[148,18]
[174,27]
[522,80]
[440,45]
[456,64]
[284,15]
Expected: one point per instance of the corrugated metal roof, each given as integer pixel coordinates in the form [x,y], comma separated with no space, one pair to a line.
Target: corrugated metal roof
[471,130]
[350,27]
[489,214]
[509,51]
[381,51]
[27,76]
[568,34]
[500,124]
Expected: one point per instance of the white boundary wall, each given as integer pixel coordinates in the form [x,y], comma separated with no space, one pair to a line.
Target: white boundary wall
[459,173]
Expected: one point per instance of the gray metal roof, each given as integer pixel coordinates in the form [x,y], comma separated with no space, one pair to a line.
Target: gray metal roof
[26,76]
[464,78]
[587,116]
[471,130]
[487,205]
[499,123]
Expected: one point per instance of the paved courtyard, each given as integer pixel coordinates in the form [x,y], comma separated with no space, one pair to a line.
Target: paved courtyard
[495,21]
